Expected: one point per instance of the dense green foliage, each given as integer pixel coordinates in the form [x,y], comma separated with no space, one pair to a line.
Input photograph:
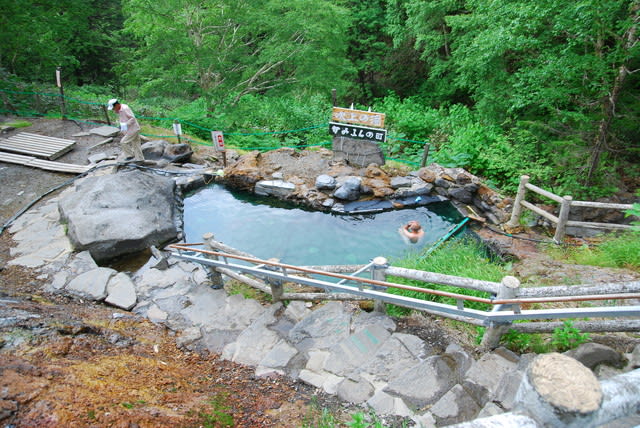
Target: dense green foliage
[544,88]
[80,36]
[223,50]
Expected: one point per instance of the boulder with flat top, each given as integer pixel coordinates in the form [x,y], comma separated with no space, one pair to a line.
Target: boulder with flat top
[119,214]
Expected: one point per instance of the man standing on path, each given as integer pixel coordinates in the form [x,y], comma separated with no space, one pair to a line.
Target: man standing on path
[130,127]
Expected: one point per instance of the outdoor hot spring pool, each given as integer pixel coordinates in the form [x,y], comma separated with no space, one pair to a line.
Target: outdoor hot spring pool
[266,228]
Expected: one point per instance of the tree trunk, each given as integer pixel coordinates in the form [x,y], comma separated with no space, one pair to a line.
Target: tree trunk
[609,105]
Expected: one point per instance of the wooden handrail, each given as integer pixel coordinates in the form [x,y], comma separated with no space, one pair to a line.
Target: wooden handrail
[463,282]
[562,220]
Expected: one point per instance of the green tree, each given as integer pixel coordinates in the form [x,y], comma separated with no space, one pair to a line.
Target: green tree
[380,66]
[223,50]
[563,63]
[562,70]
[77,35]
[367,46]
[419,30]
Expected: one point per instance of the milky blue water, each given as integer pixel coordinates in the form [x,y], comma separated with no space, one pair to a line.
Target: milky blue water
[266,228]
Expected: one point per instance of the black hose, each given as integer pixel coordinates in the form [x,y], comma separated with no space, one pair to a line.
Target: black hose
[522,238]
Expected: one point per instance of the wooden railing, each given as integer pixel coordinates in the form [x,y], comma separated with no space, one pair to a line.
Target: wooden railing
[566,202]
[509,302]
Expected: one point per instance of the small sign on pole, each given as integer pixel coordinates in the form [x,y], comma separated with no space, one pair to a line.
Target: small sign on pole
[218,140]
[218,144]
[177,129]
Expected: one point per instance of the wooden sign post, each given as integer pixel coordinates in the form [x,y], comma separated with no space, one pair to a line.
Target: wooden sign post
[358,117]
[59,84]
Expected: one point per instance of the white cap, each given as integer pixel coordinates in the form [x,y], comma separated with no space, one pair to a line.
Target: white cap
[111,102]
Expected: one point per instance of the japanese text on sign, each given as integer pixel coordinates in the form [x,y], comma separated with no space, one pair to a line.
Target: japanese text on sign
[358,117]
[357,132]
[218,140]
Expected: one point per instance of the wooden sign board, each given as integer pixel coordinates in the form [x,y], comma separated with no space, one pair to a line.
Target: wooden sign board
[358,117]
[357,132]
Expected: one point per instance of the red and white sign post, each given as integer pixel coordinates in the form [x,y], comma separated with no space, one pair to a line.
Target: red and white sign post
[218,144]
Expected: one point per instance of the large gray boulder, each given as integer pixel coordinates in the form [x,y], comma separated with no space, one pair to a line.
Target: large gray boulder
[349,190]
[161,149]
[424,383]
[118,214]
[591,354]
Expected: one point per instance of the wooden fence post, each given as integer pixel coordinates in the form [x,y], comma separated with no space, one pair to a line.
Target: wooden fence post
[277,290]
[36,100]
[177,129]
[517,206]
[563,217]
[425,155]
[214,275]
[377,273]
[59,83]
[106,114]
[508,290]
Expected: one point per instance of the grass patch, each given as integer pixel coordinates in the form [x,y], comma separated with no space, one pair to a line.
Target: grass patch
[17,124]
[236,287]
[218,414]
[562,339]
[320,417]
[614,251]
[463,257]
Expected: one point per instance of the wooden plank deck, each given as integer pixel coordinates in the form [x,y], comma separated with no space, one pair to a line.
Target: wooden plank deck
[43,164]
[37,145]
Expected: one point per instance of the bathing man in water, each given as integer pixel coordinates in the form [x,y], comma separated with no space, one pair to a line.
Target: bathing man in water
[412,232]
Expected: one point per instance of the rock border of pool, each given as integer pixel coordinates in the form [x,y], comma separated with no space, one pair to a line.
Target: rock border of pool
[341,188]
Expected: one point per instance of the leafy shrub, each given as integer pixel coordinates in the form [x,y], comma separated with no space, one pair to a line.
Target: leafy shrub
[261,123]
[568,337]
[562,339]
[524,342]
[409,118]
